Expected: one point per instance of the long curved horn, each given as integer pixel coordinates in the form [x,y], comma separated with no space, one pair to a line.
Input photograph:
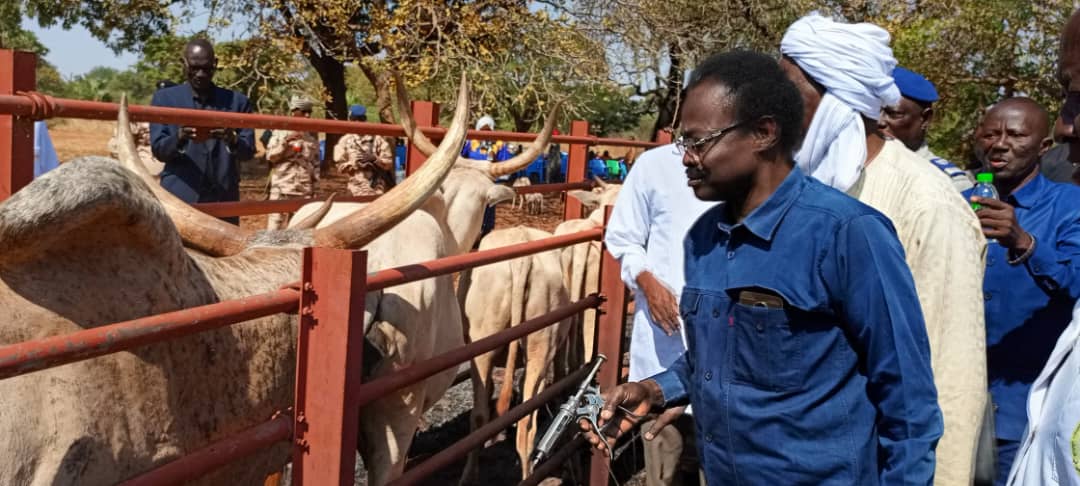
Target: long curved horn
[422,142]
[198,230]
[360,227]
[599,182]
[527,157]
[312,220]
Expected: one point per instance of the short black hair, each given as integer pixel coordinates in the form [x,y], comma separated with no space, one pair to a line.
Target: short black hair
[759,88]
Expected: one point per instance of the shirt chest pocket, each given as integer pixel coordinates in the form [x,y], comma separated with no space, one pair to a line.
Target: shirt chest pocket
[767,352]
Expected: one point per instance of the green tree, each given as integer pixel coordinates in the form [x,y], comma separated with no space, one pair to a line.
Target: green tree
[13,36]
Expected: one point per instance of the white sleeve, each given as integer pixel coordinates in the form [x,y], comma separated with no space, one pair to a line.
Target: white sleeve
[628,229]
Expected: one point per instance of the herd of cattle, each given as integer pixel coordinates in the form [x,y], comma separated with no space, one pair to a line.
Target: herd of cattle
[97,241]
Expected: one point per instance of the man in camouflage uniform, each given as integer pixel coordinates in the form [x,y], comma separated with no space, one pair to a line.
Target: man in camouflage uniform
[294,162]
[368,160]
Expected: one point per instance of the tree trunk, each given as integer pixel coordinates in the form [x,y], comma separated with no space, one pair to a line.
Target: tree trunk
[332,73]
[667,102]
[382,83]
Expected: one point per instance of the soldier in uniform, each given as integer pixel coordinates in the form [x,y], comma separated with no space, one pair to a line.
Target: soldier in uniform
[368,160]
[294,162]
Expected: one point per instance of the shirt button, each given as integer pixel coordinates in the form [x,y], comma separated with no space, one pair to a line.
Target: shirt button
[1036,268]
[986,296]
[716,313]
[708,437]
[760,327]
[989,261]
[708,375]
[730,255]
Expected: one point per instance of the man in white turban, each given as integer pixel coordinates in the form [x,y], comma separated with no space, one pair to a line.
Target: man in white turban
[844,73]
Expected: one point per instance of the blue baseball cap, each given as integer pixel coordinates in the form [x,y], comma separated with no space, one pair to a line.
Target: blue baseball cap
[913,85]
[357,111]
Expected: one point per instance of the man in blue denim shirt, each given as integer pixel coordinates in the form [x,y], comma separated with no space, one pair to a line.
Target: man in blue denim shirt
[1033,271]
[808,360]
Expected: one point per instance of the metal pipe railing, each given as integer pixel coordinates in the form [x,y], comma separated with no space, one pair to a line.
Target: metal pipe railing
[40,106]
[411,273]
[556,460]
[201,462]
[459,449]
[371,391]
[558,187]
[25,357]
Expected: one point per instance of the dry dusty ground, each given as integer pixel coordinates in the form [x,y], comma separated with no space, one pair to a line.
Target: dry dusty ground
[449,419]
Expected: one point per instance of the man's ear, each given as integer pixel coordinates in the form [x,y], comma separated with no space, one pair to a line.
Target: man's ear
[766,133]
[1045,145]
[927,118]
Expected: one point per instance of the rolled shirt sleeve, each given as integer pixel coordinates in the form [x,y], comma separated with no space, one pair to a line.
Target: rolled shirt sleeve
[628,229]
[1057,263]
[674,383]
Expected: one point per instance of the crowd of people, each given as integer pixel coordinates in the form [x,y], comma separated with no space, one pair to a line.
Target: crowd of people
[820,298]
[823,300]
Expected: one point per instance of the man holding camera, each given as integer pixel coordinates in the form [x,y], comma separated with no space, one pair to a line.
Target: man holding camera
[201,162]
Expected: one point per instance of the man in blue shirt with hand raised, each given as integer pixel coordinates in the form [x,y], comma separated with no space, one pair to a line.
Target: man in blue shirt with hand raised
[808,360]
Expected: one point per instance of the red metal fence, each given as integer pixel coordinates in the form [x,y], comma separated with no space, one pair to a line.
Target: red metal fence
[323,422]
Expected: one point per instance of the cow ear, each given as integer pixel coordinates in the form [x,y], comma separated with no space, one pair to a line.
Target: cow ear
[588,199]
[87,231]
[499,193]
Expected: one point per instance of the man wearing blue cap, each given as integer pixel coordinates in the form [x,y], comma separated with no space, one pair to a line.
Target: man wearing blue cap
[368,160]
[909,120]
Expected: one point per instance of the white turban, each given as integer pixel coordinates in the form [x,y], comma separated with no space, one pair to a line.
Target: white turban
[485,121]
[854,63]
[300,102]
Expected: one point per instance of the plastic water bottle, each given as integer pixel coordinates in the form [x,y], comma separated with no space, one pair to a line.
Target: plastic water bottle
[984,188]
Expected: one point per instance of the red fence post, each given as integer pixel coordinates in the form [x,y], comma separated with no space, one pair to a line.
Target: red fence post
[328,366]
[16,133]
[575,168]
[610,329]
[426,114]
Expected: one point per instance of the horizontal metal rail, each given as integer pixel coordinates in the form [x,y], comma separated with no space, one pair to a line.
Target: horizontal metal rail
[556,460]
[40,106]
[459,449]
[559,187]
[201,462]
[433,268]
[25,357]
[253,208]
[378,388]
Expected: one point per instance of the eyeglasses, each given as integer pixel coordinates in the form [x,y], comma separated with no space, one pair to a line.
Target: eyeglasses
[695,147]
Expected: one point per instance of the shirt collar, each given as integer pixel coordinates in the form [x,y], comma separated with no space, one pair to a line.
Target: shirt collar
[764,220]
[1031,192]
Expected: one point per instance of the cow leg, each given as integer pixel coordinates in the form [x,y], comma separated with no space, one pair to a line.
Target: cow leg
[481,411]
[538,357]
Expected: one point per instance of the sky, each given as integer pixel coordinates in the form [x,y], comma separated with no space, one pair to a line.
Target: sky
[75,51]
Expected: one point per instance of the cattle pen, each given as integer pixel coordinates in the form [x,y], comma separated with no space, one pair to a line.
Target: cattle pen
[322,424]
